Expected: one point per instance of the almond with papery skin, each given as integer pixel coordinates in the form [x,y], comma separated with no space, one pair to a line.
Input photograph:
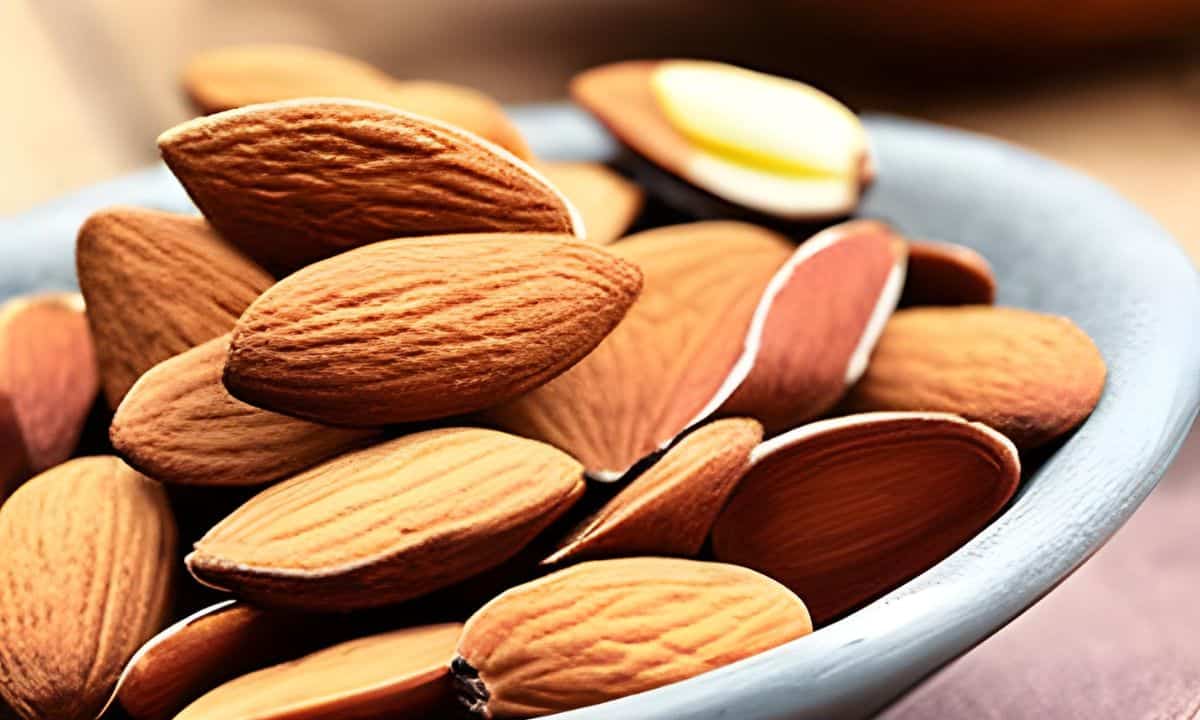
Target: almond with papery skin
[424,328]
[672,361]
[179,425]
[391,522]
[607,202]
[1033,377]
[846,509]
[671,507]
[941,273]
[156,284]
[820,318]
[85,575]
[609,628]
[402,674]
[297,181]
[48,382]
[232,77]
[757,142]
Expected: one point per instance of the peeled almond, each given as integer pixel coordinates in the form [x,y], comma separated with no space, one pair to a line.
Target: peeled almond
[610,628]
[179,425]
[1033,377]
[671,507]
[844,510]
[941,273]
[296,181]
[424,328]
[763,143]
[401,674]
[232,77]
[156,284]
[821,315]
[391,522]
[607,202]
[48,382]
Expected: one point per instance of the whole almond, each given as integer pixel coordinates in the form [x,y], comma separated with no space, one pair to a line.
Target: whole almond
[296,181]
[156,284]
[941,273]
[1033,377]
[48,382]
[670,508]
[178,424]
[84,580]
[391,522]
[609,628]
[607,202]
[424,328]
[843,510]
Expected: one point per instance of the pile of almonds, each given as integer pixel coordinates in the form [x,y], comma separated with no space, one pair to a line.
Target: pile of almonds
[439,418]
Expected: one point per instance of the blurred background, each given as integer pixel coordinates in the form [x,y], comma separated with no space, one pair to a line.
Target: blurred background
[1111,87]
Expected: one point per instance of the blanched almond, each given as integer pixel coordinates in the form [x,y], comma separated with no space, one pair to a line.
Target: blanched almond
[941,273]
[607,202]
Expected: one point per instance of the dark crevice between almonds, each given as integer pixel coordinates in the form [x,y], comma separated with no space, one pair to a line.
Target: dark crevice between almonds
[469,687]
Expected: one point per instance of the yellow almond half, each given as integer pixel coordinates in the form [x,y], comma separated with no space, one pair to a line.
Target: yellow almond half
[403,674]
[296,181]
[85,579]
[607,202]
[232,77]
[423,328]
[391,522]
[156,284]
[843,510]
[671,507]
[1033,377]
[772,145]
[179,424]
[610,628]
[941,273]
[48,382]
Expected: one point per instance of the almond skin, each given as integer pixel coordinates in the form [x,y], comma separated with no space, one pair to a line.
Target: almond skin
[1033,377]
[391,522]
[178,424]
[941,273]
[846,509]
[671,507]
[156,284]
[84,580]
[609,628]
[296,181]
[48,382]
[424,328]
[607,202]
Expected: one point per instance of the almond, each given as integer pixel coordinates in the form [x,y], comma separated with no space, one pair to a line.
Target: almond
[671,507]
[156,284]
[607,202]
[426,327]
[846,509]
[672,361]
[821,315]
[403,673]
[766,144]
[84,580]
[231,77]
[48,382]
[1033,377]
[178,424]
[609,628]
[296,181]
[391,522]
[941,273]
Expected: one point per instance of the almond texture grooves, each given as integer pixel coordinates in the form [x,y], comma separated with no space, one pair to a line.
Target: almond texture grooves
[84,579]
[609,628]
[942,273]
[293,182]
[843,510]
[156,284]
[391,522]
[424,328]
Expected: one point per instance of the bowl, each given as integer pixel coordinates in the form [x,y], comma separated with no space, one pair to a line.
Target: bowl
[1059,243]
